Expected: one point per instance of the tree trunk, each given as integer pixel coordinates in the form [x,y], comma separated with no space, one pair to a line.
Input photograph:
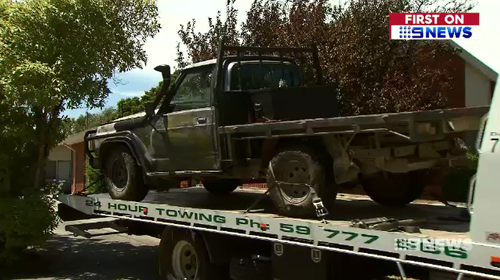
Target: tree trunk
[46,126]
[4,182]
[41,132]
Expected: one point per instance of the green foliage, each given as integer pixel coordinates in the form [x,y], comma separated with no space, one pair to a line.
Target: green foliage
[55,55]
[473,156]
[42,75]
[26,221]
[91,120]
[134,105]
[95,180]
[455,185]
[125,107]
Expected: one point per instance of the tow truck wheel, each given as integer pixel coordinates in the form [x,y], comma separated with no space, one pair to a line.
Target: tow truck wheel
[301,165]
[394,189]
[124,177]
[220,187]
[183,255]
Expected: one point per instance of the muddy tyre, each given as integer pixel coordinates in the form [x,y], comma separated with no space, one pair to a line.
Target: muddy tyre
[124,177]
[183,255]
[220,187]
[396,189]
[301,165]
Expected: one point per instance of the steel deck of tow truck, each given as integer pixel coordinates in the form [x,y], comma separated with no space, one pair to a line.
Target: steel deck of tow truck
[194,208]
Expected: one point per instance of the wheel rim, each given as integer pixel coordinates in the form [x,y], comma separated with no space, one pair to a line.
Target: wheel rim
[294,171]
[184,261]
[119,173]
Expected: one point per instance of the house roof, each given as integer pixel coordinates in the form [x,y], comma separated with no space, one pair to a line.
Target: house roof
[476,63]
[75,138]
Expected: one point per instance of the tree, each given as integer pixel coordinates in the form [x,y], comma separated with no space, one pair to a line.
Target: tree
[42,74]
[57,55]
[374,74]
[133,105]
[125,107]
[89,120]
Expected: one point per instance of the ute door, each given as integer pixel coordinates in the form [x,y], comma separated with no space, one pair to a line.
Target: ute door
[184,138]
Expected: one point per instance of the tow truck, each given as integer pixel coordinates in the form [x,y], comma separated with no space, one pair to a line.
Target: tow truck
[202,236]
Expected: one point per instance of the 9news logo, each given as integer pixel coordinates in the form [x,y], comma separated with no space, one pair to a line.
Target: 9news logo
[433,26]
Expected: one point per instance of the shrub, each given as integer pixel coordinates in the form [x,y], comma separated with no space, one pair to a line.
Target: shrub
[95,180]
[456,184]
[26,222]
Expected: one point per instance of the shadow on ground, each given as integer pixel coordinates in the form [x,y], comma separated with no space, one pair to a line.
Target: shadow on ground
[66,257]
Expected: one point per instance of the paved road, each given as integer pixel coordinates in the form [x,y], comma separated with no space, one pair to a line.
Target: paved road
[110,257]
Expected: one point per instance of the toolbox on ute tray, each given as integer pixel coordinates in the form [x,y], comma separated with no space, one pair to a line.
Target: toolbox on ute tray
[294,103]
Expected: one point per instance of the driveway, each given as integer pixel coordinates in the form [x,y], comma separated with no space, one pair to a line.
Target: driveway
[110,257]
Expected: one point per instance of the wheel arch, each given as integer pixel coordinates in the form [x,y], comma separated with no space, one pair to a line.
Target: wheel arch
[110,144]
[272,147]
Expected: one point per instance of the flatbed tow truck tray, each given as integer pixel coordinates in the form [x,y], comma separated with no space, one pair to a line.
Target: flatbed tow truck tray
[227,216]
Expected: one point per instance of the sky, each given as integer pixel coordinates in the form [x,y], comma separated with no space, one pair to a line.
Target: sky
[162,48]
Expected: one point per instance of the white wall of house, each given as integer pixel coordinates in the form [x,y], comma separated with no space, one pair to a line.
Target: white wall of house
[58,167]
[60,153]
[477,87]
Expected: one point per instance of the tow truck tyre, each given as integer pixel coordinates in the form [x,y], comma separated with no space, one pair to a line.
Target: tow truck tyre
[220,187]
[124,177]
[183,255]
[301,165]
[394,189]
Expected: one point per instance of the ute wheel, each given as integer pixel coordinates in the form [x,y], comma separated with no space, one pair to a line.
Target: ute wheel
[183,255]
[221,187]
[124,177]
[301,165]
[395,189]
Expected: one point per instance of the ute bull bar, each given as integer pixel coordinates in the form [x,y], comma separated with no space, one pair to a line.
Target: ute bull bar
[89,151]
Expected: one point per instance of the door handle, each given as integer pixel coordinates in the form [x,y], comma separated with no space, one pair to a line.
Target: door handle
[201,120]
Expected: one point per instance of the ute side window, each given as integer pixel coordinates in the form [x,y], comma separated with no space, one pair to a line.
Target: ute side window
[194,90]
[267,75]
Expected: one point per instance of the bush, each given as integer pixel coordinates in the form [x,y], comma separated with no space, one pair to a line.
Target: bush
[27,221]
[456,184]
[95,180]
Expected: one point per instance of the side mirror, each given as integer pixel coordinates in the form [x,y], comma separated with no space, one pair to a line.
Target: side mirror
[150,109]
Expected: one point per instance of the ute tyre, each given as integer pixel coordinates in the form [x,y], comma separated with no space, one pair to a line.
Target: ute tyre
[124,177]
[183,255]
[397,190]
[302,165]
[220,187]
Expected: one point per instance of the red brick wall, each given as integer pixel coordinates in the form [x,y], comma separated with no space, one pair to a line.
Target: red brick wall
[79,160]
